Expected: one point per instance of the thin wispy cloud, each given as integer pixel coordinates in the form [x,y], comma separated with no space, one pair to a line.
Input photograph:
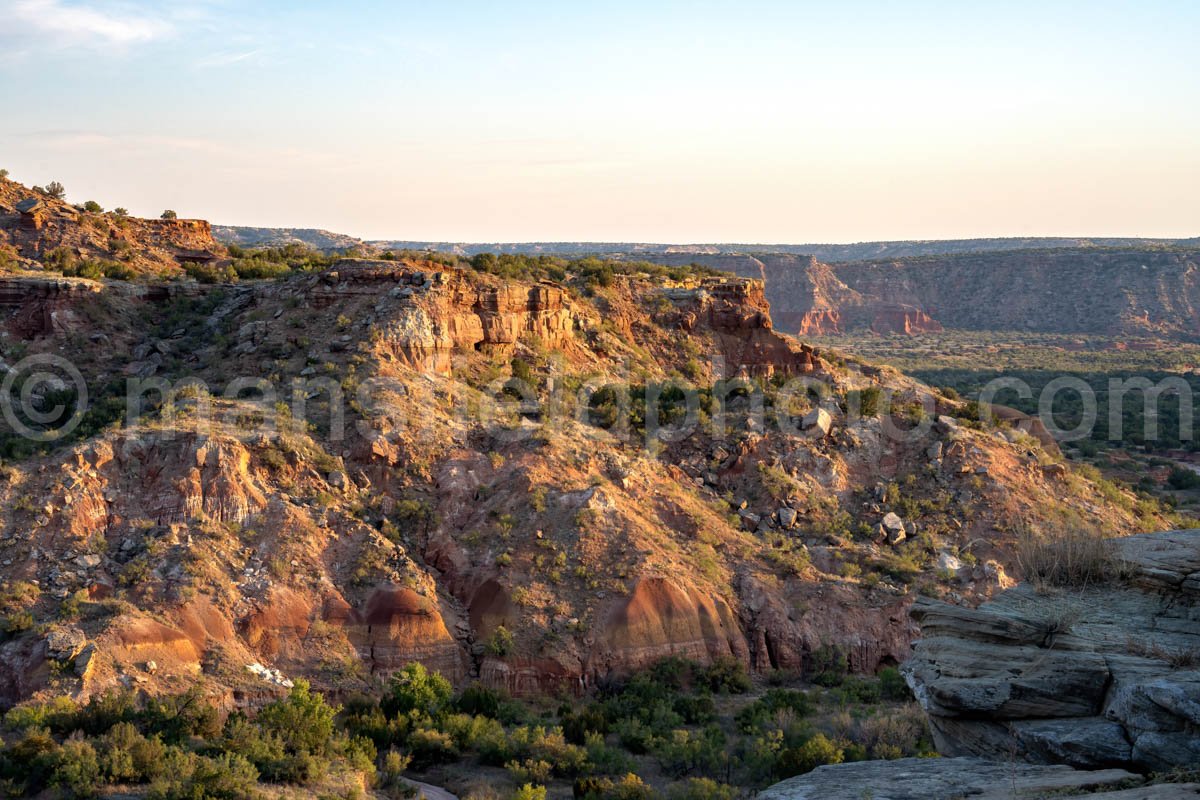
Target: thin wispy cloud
[227,59]
[117,143]
[231,155]
[39,25]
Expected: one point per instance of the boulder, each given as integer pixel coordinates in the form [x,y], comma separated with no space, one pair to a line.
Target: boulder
[63,644]
[787,517]
[946,424]
[85,662]
[948,563]
[817,423]
[750,520]
[893,528]
[1092,677]
[1056,472]
[89,561]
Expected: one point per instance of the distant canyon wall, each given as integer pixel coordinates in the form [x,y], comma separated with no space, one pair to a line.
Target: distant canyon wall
[1118,292]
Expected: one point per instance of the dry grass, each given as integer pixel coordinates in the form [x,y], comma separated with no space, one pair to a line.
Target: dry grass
[1177,658]
[1068,558]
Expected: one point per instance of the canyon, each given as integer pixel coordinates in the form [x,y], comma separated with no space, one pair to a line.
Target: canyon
[406,533]
[1033,284]
[1149,291]
[548,482]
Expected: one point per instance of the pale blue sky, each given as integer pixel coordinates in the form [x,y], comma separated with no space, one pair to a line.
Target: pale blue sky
[668,121]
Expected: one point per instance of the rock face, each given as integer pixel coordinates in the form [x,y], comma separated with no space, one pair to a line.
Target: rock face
[738,313]
[819,323]
[1096,677]
[1033,426]
[442,312]
[39,306]
[1154,291]
[955,778]
[900,318]
[399,626]
[660,619]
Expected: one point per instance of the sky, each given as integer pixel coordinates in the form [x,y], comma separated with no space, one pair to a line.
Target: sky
[770,122]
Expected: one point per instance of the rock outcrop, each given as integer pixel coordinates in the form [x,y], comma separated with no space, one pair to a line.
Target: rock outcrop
[900,318]
[442,312]
[956,778]
[659,619]
[1103,676]
[36,225]
[819,323]
[37,306]
[399,626]
[737,312]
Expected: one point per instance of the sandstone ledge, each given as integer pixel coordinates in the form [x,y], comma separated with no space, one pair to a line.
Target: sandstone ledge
[1105,676]
[952,778]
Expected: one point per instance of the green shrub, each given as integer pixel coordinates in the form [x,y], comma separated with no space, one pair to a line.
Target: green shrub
[529,771]
[828,666]
[859,690]
[414,688]
[587,720]
[530,792]
[260,269]
[76,769]
[190,777]
[523,372]
[629,787]
[479,699]
[816,752]
[500,643]
[755,716]
[126,756]
[17,622]
[104,711]
[685,752]
[392,774]
[430,746]
[702,789]
[1183,479]
[176,718]
[95,269]
[864,401]
[727,675]
[303,721]
[56,714]
[893,686]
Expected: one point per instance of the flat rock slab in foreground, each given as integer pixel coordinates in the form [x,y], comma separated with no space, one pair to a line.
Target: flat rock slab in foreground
[952,778]
[1101,676]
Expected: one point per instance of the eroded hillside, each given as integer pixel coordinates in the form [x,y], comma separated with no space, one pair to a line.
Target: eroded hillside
[388,461]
